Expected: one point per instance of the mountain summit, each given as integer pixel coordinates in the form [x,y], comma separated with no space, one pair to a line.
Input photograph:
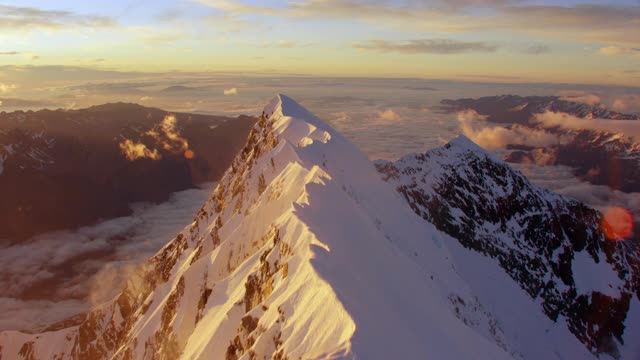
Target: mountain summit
[304,252]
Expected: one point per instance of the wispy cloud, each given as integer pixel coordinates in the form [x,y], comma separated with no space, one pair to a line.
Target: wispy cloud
[617,50]
[137,150]
[287,44]
[583,97]
[27,18]
[9,53]
[168,135]
[537,49]
[425,46]
[584,22]
[231,91]
[491,136]
[551,119]
[5,88]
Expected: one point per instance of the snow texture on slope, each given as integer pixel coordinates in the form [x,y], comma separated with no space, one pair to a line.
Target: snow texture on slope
[552,247]
[301,251]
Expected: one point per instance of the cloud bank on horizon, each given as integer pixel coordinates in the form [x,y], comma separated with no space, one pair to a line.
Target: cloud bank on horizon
[504,40]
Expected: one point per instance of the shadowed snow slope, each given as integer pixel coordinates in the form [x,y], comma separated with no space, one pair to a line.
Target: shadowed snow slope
[302,251]
[552,247]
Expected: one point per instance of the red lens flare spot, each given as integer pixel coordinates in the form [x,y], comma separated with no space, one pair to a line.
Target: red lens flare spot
[189,154]
[617,223]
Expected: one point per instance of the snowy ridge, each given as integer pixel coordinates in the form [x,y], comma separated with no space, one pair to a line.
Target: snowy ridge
[302,251]
[550,246]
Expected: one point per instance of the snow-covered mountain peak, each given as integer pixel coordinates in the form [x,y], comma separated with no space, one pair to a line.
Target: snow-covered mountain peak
[302,251]
[463,143]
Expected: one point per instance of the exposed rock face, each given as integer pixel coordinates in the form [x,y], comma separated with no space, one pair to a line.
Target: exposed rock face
[114,330]
[97,161]
[533,234]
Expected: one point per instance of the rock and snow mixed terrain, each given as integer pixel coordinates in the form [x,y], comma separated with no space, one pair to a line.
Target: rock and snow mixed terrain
[304,251]
[553,247]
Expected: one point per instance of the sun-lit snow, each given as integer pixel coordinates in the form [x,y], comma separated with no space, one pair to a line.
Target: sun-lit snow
[303,251]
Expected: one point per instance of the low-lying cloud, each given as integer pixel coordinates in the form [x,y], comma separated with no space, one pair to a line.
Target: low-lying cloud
[583,97]
[561,179]
[57,275]
[549,119]
[168,135]
[5,88]
[231,91]
[491,136]
[388,115]
[165,135]
[137,150]
[626,103]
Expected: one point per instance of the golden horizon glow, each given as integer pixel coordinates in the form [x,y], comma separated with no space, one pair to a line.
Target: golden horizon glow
[526,41]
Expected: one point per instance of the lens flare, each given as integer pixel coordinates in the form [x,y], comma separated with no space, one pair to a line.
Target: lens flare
[617,223]
[188,154]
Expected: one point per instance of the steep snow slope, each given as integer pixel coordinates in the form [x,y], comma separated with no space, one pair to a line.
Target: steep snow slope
[551,246]
[301,252]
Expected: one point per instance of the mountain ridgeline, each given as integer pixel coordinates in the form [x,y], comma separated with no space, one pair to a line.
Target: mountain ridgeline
[62,169]
[304,250]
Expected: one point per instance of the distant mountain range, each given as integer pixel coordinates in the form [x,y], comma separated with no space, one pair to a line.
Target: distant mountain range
[516,109]
[308,250]
[599,157]
[62,169]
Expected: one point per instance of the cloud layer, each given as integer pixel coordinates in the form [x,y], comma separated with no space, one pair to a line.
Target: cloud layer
[61,274]
[491,136]
[27,18]
[629,128]
[609,23]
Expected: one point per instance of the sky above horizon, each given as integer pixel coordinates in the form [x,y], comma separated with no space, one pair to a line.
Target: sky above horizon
[483,40]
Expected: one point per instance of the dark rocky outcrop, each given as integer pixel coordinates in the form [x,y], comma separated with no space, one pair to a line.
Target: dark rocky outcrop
[65,168]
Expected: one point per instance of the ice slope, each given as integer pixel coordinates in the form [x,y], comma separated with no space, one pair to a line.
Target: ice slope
[301,252]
